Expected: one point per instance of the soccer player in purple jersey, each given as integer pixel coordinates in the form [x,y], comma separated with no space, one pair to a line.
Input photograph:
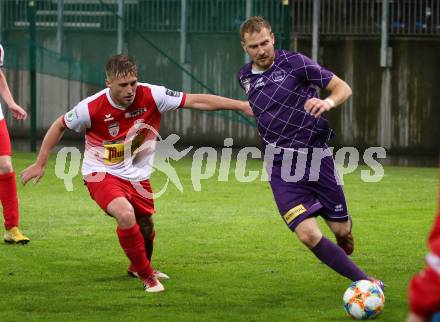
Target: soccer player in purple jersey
[282,90]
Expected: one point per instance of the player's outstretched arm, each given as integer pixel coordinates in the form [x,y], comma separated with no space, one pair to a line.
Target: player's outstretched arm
[52,137]
[339,90]
[207,102]
[18,112]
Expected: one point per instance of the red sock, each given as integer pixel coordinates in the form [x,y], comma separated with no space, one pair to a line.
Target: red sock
[149,243]
[132,243]
[9,199]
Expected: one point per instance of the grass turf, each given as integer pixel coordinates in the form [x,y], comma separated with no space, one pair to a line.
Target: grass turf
[229,255]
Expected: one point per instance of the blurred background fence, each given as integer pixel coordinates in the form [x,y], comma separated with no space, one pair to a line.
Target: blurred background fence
[194,45]
[338,17]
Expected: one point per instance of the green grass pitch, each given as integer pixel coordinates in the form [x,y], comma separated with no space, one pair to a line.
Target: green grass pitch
[229,255]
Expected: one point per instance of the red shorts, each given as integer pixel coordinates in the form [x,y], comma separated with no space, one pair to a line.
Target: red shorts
[5,141]
[139,194]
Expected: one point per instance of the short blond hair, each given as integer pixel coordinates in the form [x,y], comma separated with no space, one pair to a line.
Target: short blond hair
[254,24]
[120,66]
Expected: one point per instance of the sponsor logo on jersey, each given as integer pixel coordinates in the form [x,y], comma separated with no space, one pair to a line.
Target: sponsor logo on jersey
[135,113]
[108,117]
[113,129]
[172,93]
[278,75]
[114,152]
[294,212]
[246,83]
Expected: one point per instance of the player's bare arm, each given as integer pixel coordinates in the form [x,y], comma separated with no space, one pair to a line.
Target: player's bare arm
[36,171]
[17,111]
[339,90]
[207,102]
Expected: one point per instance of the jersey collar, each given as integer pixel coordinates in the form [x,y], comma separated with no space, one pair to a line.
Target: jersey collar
[112,103]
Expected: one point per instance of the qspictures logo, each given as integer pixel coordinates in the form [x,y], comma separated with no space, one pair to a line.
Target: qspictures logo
[207,162]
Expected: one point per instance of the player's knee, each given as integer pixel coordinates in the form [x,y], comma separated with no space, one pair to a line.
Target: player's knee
[126,218]
[5,165]
[146,225]
[342,230]
[309,237]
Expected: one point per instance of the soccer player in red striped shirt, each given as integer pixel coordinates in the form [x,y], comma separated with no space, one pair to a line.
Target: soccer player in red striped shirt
[8,189]
[119,181]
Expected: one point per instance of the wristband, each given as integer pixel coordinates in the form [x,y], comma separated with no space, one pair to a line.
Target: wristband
[331,102]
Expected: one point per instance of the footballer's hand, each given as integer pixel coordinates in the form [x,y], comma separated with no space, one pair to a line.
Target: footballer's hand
[34,172]
[246,108]
[412,317]
[316,107]
[18,112]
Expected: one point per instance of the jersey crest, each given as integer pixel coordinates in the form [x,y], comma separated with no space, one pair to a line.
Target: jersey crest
[113,129]
[278,75]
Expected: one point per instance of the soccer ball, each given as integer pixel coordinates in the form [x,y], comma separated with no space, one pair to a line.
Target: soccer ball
[363,300]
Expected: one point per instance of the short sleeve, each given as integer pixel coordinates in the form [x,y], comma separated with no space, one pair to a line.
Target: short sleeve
[243,78]
[78,118]
[310,71]
[2,55]
[244,84]
[167,99]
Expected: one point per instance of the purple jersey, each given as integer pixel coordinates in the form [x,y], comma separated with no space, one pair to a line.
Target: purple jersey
[277,97]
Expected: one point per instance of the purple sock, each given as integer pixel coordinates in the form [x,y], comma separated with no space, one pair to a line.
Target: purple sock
[335,258]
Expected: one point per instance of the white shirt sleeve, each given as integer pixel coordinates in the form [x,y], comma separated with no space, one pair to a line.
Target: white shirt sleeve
[2,55]
[167,99]
[78,118]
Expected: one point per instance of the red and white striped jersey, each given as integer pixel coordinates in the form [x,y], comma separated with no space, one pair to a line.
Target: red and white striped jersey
[114,134]
[2,57]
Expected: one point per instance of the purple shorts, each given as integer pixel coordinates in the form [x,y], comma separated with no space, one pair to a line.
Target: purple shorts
[308,187]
